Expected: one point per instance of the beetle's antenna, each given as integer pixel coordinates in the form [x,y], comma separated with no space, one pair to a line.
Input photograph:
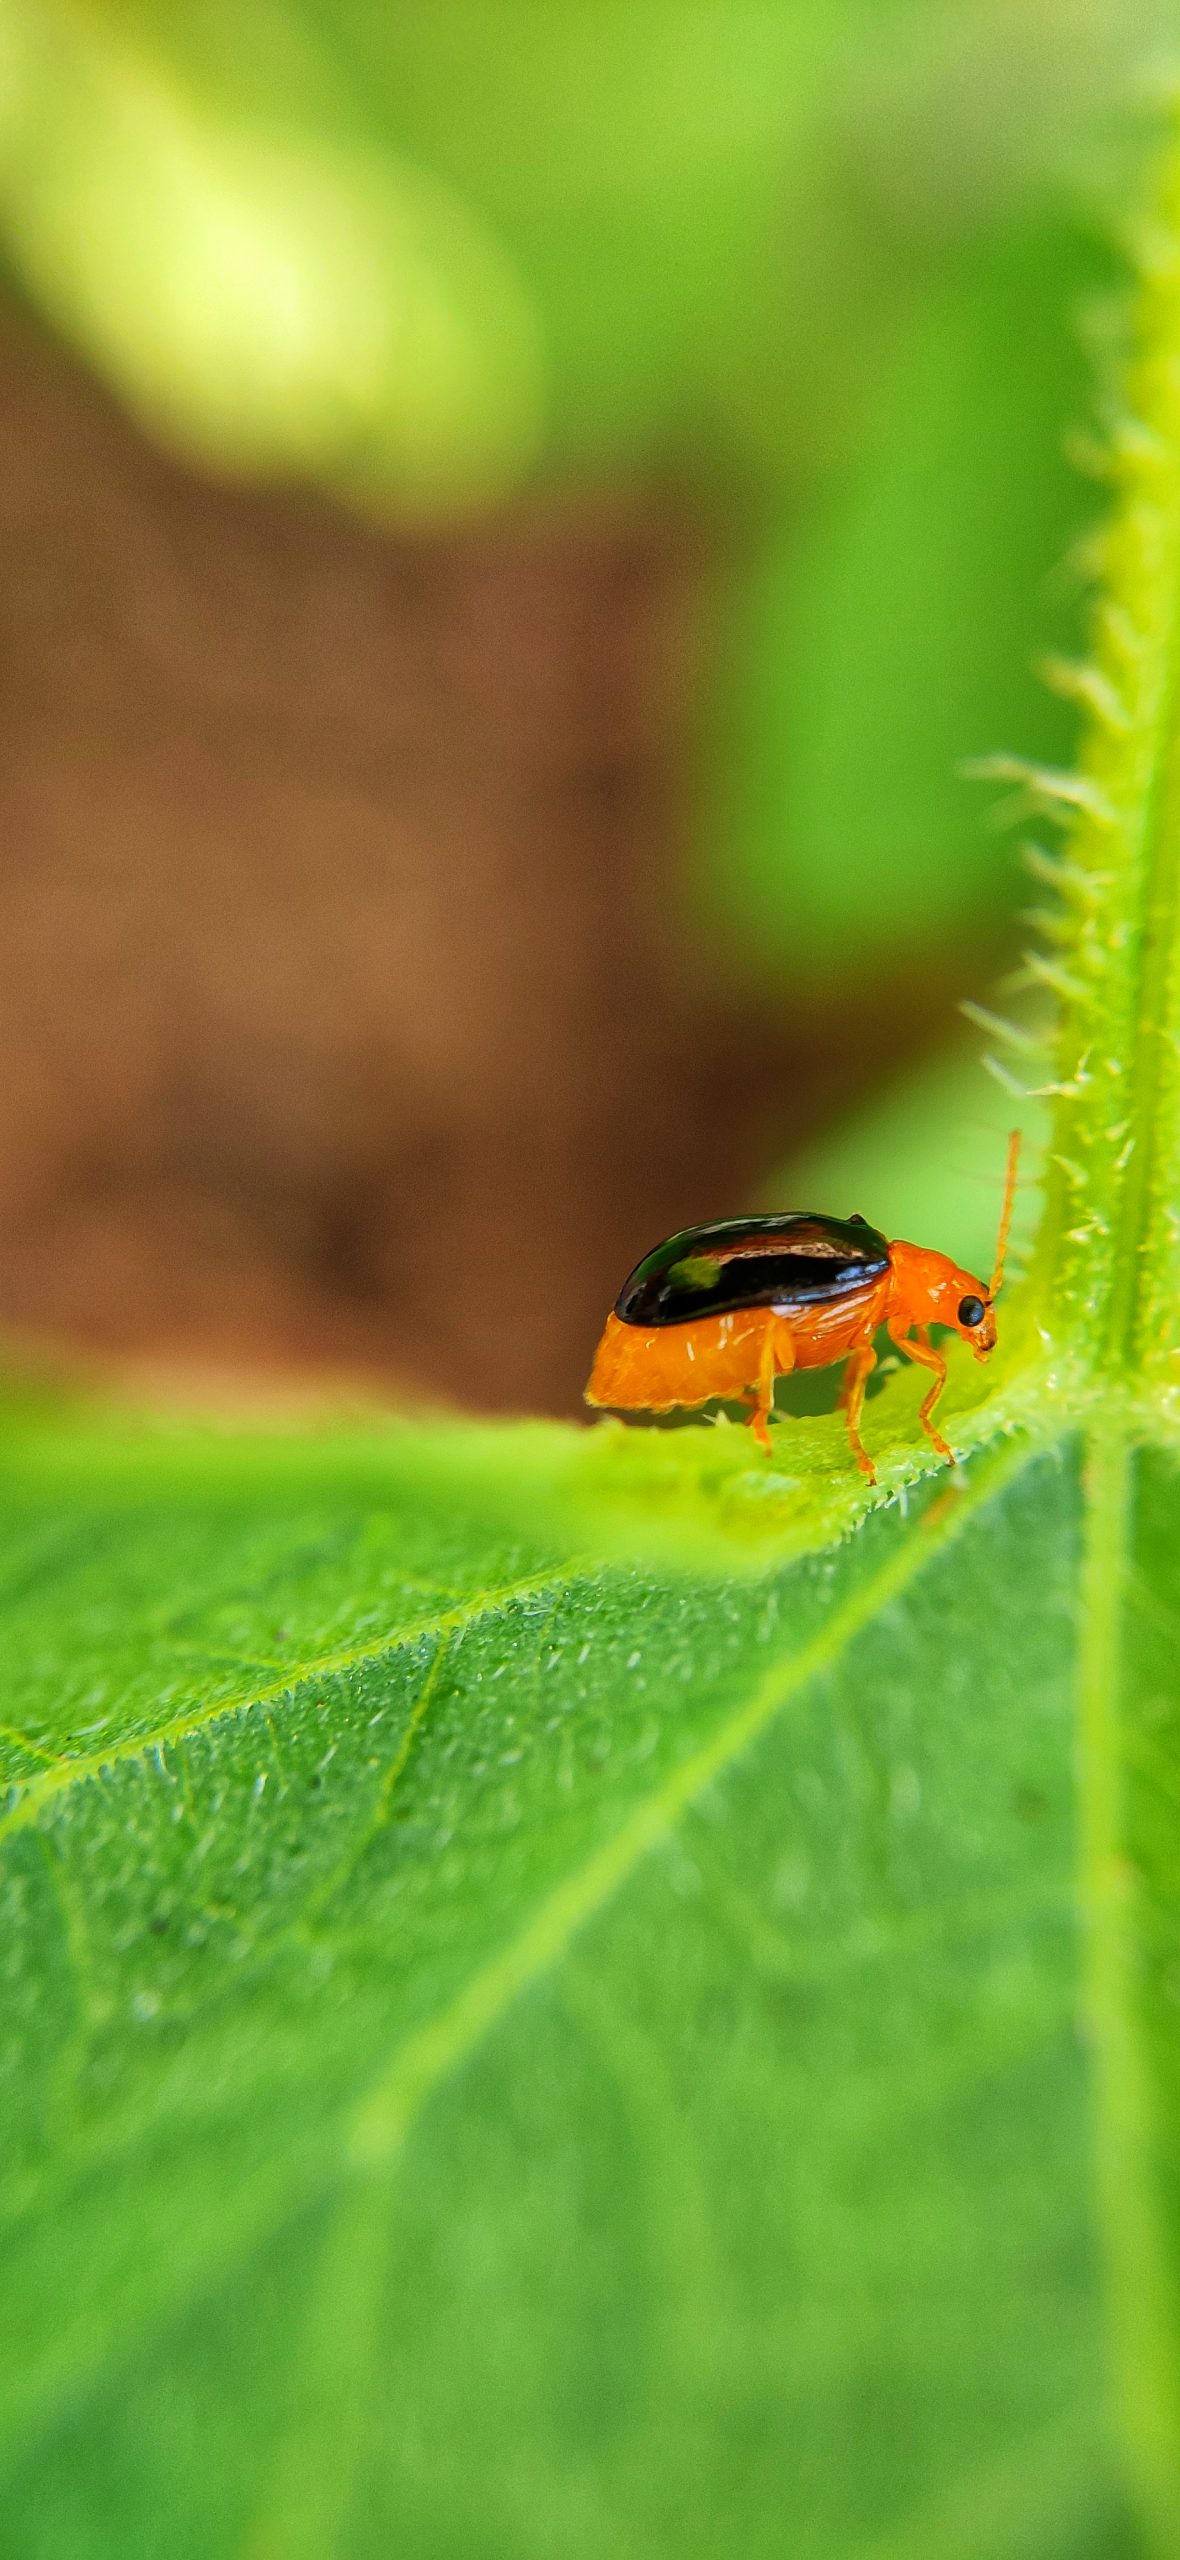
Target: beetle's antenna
[997,1279]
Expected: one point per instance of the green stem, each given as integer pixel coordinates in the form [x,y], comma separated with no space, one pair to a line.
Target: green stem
[1113,1282]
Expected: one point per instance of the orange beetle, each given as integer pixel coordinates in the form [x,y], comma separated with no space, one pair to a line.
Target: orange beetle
[722,1310]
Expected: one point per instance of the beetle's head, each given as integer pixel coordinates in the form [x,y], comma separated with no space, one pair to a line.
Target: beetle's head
[931,1289]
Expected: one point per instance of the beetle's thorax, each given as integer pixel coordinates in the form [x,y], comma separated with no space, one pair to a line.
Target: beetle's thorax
[927,1287]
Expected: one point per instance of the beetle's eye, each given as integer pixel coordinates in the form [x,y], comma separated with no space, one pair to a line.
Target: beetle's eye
[971,1312]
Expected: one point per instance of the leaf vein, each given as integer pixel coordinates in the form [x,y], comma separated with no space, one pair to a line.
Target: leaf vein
[27,1798]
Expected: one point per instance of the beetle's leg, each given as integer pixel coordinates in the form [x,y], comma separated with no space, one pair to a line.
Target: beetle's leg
[927,1357]
[777,1353]
[764,1400]
[852,1396]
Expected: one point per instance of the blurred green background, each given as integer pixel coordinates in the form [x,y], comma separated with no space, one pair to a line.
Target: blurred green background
[651,428]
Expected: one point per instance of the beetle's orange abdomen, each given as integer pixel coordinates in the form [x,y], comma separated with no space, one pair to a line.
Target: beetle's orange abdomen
[650,1371]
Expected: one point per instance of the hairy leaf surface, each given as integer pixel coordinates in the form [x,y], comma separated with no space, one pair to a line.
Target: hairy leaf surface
[508,2055]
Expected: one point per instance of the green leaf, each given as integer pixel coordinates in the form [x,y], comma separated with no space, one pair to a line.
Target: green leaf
[592,1992]
[512,2055]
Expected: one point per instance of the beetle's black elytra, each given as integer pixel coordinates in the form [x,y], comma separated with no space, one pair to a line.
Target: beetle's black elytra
[781,1262]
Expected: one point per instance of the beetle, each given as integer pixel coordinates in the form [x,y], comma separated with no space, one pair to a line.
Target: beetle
[723,1310]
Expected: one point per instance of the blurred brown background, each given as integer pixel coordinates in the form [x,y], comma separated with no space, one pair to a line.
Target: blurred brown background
[349,1016]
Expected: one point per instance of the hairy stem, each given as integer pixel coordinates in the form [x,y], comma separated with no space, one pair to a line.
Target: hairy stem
[1112,1282]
